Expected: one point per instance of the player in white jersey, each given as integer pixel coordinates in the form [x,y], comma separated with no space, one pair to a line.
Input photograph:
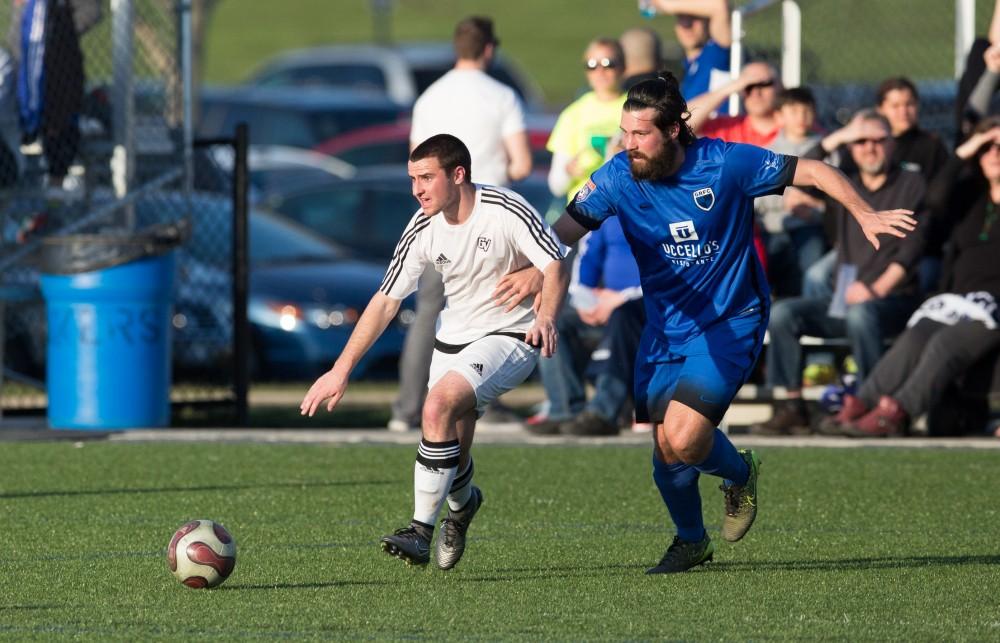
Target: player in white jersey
[473,235]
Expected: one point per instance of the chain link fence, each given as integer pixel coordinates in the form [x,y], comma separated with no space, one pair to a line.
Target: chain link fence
[850,46]
[91,111]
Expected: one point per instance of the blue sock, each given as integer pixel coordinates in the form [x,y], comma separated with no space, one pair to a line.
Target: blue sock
[678,485]
[725,461]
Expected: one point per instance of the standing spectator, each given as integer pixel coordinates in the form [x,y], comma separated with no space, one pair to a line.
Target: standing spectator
[979,80]
[703,31]
[643,55]
[581,134]
[488,117]
[953,330]
[792,223]
[876,289]
[50,83]
[605,278]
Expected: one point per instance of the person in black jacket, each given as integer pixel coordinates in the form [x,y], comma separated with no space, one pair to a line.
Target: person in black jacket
[956,328]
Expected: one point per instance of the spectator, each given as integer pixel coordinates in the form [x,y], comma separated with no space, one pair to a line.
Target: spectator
[643,55]
[758,83]
[953,330]
[488,117]
[876,289]
[979,79]
[703,31]
[605,279]
[583,130]
[793,223]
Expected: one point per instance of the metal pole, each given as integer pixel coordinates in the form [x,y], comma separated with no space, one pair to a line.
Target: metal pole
[186,89]
[241,238]
[791,44]
[965,32]
[735,57]
[123,104]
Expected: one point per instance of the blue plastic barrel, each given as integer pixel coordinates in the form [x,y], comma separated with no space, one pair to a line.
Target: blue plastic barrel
[109,345]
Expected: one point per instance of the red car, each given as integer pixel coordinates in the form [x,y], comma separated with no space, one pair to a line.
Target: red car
[389,144]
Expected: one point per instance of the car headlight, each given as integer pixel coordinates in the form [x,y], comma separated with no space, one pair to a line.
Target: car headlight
[288,316]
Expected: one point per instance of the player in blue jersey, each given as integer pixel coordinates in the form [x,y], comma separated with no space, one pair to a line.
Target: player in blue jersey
[686,207]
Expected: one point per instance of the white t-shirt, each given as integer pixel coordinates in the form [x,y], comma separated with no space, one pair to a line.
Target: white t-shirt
[476,109]
[502,234]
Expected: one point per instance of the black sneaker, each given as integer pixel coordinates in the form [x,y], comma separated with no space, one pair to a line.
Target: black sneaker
[682,556]
[451,541]
[788,419]
[589,423]
[409,545]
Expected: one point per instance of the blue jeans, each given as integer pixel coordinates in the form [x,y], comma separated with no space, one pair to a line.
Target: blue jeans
[790,254]
[866,325]
[562,374]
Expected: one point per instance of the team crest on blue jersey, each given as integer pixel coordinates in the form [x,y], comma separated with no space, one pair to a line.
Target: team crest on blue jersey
[585,191]
[704,198]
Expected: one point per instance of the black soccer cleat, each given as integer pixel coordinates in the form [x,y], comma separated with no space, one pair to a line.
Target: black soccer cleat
[408,545]
[682,556]
[451,542]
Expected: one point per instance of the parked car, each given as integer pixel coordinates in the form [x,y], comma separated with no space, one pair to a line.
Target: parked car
[402,72]
[389,143]
[369,212]
[294,117]
[305,295]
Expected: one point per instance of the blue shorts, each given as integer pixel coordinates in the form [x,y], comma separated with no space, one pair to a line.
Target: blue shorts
[704,375]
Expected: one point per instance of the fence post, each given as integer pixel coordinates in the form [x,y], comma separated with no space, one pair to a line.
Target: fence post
[791,44]
[965,32]
[241,237]
[123,114]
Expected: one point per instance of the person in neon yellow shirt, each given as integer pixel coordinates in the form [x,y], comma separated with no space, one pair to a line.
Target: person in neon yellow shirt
[580,137]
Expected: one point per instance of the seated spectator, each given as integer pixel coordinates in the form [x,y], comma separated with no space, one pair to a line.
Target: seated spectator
[792,223]
[876,290]
[953,330]
[605,278]
[643,55]
[758,84]
[980,79]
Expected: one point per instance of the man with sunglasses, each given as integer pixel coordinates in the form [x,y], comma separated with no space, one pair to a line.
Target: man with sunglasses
[703,31]
[758,86]
[876,290]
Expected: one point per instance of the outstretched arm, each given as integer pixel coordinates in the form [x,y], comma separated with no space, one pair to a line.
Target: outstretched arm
[332,384]
[717,12]
[832,181]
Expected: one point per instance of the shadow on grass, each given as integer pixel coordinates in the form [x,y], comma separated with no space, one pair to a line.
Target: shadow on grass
[844,564]
[335,583]
[217,487]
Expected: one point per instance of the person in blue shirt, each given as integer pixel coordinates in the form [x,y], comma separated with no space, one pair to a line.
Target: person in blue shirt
[703,30]
[685,205]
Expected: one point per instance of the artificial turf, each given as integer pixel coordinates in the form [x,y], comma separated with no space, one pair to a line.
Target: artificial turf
[850,544]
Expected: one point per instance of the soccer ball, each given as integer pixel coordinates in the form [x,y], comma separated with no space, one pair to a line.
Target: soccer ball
[202,554]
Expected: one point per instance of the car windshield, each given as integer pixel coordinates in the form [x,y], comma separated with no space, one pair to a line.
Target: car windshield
[357,76]
[388,153]
[275,241]
[297,128]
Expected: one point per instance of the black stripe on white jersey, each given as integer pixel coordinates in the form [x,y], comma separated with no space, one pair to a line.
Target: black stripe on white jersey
[529,218]
[396,265]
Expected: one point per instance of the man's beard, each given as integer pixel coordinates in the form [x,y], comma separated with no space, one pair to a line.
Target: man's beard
[653,167]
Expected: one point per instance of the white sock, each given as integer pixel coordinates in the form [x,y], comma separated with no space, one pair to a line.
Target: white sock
[433,473]
[461,488]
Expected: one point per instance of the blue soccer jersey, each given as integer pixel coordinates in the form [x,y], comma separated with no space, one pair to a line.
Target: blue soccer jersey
[691,233]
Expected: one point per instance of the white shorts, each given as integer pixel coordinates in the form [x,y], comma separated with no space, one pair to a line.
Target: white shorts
[492,365]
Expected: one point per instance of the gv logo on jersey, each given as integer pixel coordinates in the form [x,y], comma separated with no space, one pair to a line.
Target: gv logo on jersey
[704,198]
[683,231]
[483,244]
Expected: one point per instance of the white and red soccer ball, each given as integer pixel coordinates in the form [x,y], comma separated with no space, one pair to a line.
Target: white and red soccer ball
[202,554]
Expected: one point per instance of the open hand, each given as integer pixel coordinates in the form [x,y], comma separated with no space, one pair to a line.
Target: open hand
[515,287]
[330,386]
[894,222]
[543,334]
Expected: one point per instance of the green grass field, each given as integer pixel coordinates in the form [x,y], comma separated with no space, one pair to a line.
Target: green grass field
[843,40]
[854,544]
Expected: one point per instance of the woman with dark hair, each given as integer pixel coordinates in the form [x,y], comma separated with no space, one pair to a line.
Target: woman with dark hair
[952,330]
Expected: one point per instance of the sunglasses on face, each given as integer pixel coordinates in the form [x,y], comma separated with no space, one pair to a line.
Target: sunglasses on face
[600,63]
[874,141]
[751,88]
[992,147]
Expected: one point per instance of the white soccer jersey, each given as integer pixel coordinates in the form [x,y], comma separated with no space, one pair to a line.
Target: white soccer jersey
[502,234]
